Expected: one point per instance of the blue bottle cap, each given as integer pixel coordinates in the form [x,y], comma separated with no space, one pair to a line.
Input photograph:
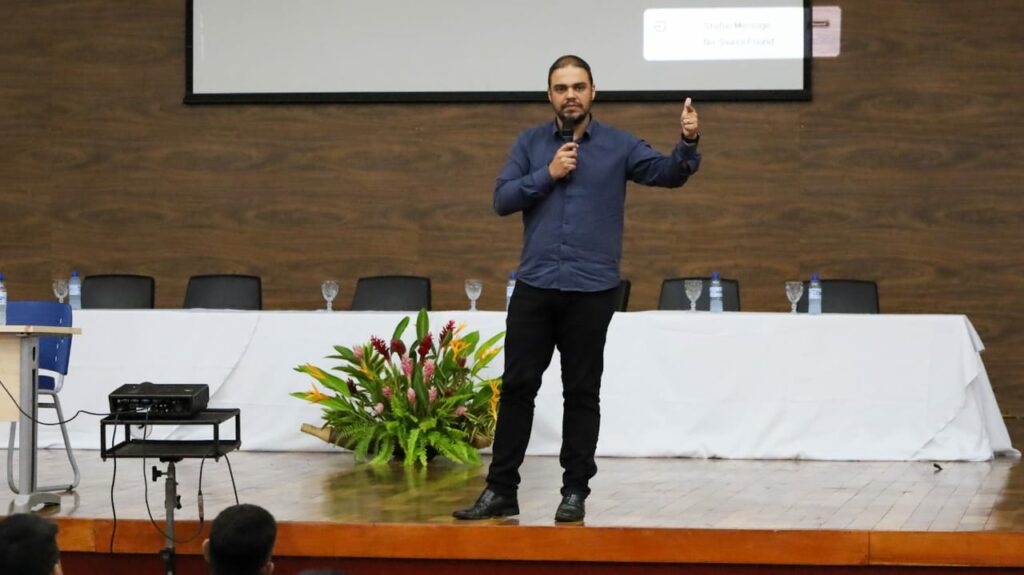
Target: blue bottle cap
[512,275]
[814,277]
[714,275]
[74,274]
[1,276]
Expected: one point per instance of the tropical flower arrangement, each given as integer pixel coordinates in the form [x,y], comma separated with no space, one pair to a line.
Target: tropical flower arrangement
[413,401]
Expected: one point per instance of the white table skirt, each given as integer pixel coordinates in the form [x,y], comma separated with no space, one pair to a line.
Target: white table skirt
[733,385]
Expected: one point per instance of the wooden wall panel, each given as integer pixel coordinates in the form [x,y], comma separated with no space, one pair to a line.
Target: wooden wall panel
[905,168]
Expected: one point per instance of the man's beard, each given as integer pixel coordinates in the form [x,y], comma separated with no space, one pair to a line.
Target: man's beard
[577,117]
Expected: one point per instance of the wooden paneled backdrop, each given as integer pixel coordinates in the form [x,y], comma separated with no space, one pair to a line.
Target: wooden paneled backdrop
[906,168]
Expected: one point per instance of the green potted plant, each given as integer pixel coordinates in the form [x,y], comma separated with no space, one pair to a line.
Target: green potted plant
[409,401]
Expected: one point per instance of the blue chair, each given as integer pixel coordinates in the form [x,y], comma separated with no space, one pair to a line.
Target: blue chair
[54,355]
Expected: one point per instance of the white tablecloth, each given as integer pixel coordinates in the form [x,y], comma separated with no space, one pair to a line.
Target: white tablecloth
[733,385]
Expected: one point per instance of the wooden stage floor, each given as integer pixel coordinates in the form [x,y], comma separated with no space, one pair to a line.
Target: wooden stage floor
[650,511]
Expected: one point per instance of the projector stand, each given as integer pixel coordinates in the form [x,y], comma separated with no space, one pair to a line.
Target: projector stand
[171,451]
[172,501]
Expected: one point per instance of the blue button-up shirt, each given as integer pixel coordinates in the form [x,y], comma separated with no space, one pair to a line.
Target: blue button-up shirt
[572,228]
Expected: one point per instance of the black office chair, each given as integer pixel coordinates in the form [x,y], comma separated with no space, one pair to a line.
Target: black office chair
[224,291]
[673,295]
[622,295]
[118,291]
[844,296]
[391,293]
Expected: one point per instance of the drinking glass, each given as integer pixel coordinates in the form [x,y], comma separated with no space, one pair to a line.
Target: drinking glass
[60,288]
[473,290]
[329,289]
[693,289]
[794,291]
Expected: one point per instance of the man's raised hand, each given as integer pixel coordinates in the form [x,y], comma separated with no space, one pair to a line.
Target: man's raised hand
[688,120]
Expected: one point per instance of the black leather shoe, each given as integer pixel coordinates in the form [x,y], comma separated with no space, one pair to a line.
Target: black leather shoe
[488,505]
[571,508]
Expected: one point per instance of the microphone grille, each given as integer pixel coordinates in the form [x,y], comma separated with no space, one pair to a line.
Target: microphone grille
[568,127]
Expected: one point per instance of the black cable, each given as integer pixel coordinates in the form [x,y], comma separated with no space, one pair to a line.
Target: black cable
[199,495]
[113,479]
[232,474]
[58,422]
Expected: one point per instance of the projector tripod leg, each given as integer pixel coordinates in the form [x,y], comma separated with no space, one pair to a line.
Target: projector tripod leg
[168,557]
[171,502]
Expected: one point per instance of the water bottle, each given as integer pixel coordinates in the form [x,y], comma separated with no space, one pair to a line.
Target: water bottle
[814,295]
[715,291]
[510,287]
[75,291]
[3,301]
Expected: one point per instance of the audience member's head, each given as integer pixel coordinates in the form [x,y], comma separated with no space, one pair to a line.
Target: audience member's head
[28,546]
[241,541]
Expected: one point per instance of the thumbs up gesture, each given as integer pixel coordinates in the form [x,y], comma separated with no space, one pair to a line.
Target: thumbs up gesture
[688,120]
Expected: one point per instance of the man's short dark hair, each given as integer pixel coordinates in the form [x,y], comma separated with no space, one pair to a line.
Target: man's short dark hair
[570,60]
[241,540]
[28,545]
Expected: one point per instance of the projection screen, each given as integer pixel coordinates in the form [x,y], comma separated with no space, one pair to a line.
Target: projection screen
[490,50]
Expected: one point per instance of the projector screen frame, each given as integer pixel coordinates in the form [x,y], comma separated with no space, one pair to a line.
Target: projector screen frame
[192,98]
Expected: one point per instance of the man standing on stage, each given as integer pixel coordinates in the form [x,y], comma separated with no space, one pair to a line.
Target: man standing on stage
[568,178]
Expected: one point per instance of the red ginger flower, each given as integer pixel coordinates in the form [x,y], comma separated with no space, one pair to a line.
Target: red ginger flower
[447,329]
[378,344]
[397,346]
[425,345]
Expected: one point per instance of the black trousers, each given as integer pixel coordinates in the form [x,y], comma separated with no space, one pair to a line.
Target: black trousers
[540,320]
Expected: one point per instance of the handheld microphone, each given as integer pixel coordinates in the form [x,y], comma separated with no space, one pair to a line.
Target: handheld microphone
[568,127]
[566,133]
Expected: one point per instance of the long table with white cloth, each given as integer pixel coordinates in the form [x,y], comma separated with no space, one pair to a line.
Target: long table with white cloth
[676,383]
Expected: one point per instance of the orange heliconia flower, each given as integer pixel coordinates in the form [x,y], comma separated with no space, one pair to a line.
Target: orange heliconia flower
[315,372]
[458,345]
[315,395]
[366,371]
[487,353]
